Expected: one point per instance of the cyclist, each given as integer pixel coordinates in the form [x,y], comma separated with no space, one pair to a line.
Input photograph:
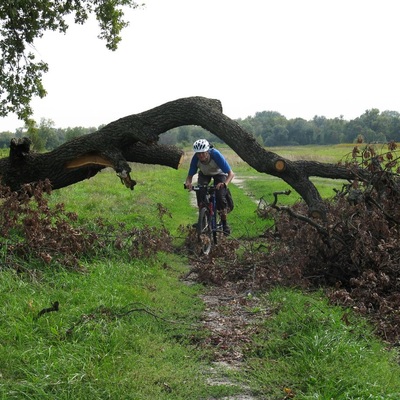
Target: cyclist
[211,164]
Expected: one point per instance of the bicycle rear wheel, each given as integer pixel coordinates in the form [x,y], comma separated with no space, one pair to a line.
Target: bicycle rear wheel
[204,230]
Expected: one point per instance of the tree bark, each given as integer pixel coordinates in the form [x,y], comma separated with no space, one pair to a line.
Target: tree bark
[80,159]
[134,139]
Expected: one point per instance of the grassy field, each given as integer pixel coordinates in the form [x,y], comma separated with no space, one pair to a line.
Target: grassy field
[131,329]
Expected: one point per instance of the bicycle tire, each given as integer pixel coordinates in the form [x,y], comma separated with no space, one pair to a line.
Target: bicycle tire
[204,230]
[219,232]
[215,239]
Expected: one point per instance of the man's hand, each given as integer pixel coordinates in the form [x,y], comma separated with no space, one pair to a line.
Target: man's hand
[188,185]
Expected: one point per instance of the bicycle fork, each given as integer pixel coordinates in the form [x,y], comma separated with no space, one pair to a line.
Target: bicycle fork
[213,218]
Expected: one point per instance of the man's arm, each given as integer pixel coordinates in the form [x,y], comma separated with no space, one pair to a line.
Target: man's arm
[221,161]
[229,178]
[191,173]
[188,182]
[225,167]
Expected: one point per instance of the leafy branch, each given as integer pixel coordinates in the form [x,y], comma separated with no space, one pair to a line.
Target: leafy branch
[23,22]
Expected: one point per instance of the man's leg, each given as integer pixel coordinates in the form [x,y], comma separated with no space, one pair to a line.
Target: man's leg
[222,205]
[201,194]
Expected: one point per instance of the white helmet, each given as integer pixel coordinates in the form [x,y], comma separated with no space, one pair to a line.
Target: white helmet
[201,145]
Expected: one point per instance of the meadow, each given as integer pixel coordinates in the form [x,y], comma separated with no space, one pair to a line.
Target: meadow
[130,328]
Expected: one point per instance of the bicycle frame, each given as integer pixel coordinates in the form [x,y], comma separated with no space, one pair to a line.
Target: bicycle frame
[207,226]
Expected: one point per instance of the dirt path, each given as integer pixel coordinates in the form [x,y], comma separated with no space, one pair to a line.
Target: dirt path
[231,318]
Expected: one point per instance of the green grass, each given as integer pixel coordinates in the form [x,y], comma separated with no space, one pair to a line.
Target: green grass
[129,329]
[328,154]
[89,348]
[136,356]
[104,196]
[317,351]
[263,186]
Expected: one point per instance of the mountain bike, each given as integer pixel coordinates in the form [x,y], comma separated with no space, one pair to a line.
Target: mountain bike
[209,223]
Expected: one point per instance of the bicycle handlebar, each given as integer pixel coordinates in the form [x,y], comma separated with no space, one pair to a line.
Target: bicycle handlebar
[198,187]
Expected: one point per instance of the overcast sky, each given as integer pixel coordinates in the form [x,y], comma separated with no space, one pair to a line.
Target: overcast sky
[299,57]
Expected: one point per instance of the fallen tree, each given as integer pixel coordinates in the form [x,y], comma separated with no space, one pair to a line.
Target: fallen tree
[134,139]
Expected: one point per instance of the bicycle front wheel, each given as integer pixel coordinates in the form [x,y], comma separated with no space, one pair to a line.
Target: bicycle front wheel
[204,230]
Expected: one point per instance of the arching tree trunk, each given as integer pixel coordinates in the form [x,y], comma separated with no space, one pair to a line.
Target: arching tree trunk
[134,139]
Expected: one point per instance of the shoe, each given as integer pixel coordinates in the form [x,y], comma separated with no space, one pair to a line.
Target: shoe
[227,230]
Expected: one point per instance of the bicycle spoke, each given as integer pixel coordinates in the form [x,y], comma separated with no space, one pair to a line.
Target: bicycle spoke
[204,231]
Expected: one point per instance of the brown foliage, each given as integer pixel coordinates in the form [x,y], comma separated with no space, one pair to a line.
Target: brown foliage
[32,232]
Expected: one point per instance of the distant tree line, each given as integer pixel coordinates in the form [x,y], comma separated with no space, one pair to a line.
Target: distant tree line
[273,129]
[44,135]
[269,127]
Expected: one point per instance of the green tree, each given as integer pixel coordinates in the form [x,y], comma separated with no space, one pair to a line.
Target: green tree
[47,134]
[24,21]
[38,142]
[183,135]
[300,131]
[354,129]
[328,131]
[247,125]
[262,126]
[279,136]
[5,138]
[72,133]
[394,125]
[373,126]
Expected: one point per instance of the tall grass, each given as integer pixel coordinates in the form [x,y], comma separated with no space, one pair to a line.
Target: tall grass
[315,351]
[123,331]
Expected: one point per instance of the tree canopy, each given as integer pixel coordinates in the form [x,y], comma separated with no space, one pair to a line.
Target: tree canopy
[24,21]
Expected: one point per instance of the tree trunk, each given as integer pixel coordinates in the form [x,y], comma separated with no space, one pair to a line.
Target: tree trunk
[134,139]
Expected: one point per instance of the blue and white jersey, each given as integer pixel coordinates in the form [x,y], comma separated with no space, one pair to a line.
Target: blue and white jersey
[216,165]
